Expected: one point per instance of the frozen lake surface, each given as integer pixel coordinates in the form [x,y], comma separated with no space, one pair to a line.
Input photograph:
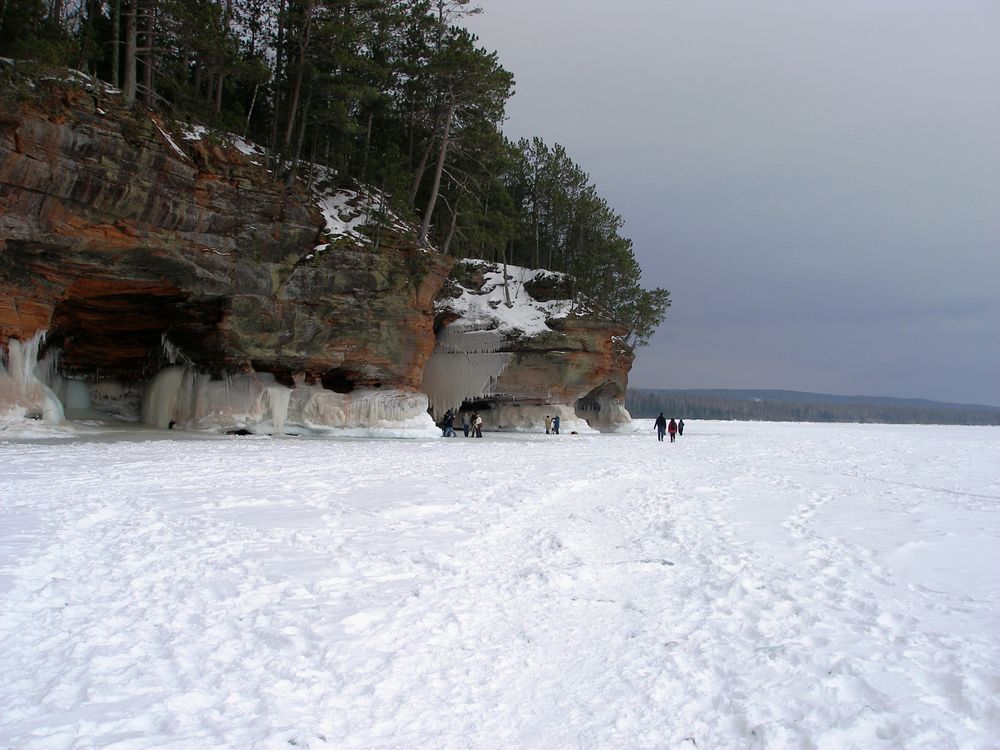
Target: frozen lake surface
[752,585]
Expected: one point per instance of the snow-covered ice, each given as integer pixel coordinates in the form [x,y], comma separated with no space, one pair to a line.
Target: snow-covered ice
[752,585]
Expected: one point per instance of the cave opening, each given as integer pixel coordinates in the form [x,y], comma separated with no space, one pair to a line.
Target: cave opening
[108,328]
[337,381]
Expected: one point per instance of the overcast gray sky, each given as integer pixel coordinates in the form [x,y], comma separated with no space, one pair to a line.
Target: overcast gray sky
[816,182]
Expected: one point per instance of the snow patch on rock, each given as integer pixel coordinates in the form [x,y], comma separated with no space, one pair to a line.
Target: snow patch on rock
[503,302]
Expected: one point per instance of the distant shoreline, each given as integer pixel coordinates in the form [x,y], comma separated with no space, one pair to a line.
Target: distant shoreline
[799,406]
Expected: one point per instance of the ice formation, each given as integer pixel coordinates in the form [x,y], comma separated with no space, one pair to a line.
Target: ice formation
[24,381]
[515,417]
[181,396]
[464,366]
[278,397]
[605,411]
[159,404]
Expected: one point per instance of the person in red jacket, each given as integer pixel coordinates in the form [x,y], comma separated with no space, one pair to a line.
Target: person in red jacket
[672,429]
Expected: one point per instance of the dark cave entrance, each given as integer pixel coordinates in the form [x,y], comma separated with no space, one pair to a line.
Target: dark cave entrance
[108,328]
[338,381]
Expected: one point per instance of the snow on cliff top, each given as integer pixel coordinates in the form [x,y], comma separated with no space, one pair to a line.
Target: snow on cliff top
[487,309]
[245,147]
[344,211]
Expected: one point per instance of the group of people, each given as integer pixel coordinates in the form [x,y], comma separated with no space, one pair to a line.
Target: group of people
[472,425]
[674,428]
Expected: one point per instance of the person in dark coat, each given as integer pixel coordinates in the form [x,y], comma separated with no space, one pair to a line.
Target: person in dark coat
[661,426]
[465,424]
[672,429]
[448,423]
[555,425]
[680,427]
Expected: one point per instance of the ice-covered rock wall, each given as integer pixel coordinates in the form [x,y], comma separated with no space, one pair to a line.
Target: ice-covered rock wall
[182,397]
[513,346]
[255,403]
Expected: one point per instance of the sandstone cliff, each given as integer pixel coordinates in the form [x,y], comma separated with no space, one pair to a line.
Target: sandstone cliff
[118,235]
[156,271]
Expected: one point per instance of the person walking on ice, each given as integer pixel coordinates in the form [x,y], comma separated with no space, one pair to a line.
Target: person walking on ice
[661,426]
[548,424]
[555,425]
[680,427]
[672,429]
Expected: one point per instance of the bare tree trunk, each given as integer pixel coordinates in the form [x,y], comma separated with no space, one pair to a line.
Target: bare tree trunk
[116,17]
[381,219]
[222,66]
[534,211]
[368,145]
[425,225]
[147,78]
[278,72]
[253,101]
[299,75]
[312,160]
[418,174]
[506,289]
[302,133]
[451,230]
[130,54]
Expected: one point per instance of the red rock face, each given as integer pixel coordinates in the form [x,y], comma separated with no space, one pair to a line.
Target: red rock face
[581,356]
[114,234]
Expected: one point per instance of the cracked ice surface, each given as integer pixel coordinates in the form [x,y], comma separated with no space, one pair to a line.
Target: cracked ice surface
[752,585]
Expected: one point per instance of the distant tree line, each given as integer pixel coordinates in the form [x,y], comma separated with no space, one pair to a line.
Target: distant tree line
[643,403]
[395,94]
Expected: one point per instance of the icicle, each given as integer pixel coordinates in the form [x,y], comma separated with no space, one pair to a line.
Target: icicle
[23,379]
[22,358]
[159,405]
[279,396]
[173,352]
[464,366]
